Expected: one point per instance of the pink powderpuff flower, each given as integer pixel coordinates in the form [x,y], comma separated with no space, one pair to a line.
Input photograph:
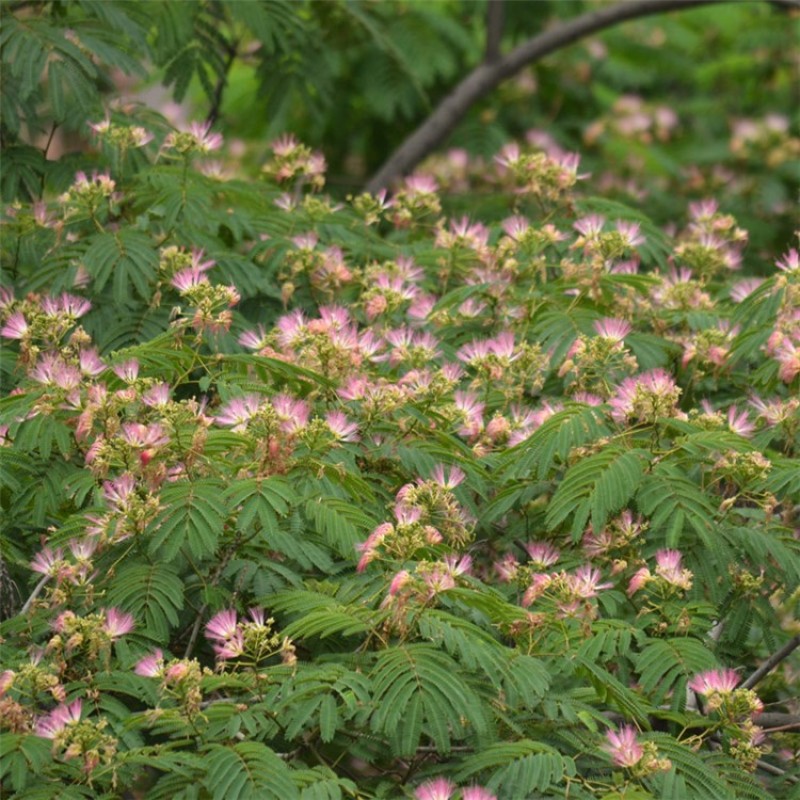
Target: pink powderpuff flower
[542,554]
[454,478]
[138,435]
[90,362]
[239,411]
[151,666]
[589,227]
[540,581]
[205,140]
[458,566]
[341,427]
[69,305]
[399,581]
[292,413]
[254,340]
[230,648]
[629,231]
[16,326]
[788,357]
[127,370]
[223,625]
[6,680]
[117,623]
[368,548]
[507,568]
[743,289]
[477,793]
[639,581]
[59,718]
[739,422]
[257,617]
[472,410]
[624,747]
[157,396]
[118,491]
[790,263]
[668,567]
[585,582]
[613,329]
[188,278]
[436,789]
[49,562]
[715,681]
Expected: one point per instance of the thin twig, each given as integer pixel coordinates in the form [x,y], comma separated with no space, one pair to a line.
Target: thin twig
[772,662]
[487,76]
[213,113]
[34,594]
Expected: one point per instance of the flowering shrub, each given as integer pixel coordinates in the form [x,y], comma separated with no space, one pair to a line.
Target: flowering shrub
[305,499]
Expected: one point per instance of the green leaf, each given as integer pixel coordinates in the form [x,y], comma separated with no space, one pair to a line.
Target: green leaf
[600,485]
[193,515]
[418,688]
[248,771]
[516,769]
[153,593]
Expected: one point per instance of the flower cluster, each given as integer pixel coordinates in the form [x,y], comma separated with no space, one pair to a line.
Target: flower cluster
[251,640]
[294,161]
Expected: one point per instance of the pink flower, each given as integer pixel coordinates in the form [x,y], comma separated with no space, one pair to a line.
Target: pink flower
[400,580]
[585,582]
[790,263]
[49,562]
[436,789]
[477,793]
[638,581]
[59,718]
[624,747]
[205,141]
[138,435]
[254,340]
[368,548]
[455,477]
[542,554]
[668,567]
[156,396]
[6,680]
[292,413]
[188,278]
[739,422]
[90,362]
[117,492]
[151,666]
[721,681]
[127,370]
[239,411]
[230,648]
[222,626]
[16,326]
[614,329]
[341,427]
[117,623]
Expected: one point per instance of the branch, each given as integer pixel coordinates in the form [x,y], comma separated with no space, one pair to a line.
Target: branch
[494,30]
[232,51]
[487,76]
[772,662]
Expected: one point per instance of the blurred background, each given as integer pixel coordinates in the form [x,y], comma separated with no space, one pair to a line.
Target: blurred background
[677,106]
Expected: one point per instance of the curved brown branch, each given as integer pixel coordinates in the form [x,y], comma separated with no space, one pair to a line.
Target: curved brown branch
[487,76]
[772,662]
